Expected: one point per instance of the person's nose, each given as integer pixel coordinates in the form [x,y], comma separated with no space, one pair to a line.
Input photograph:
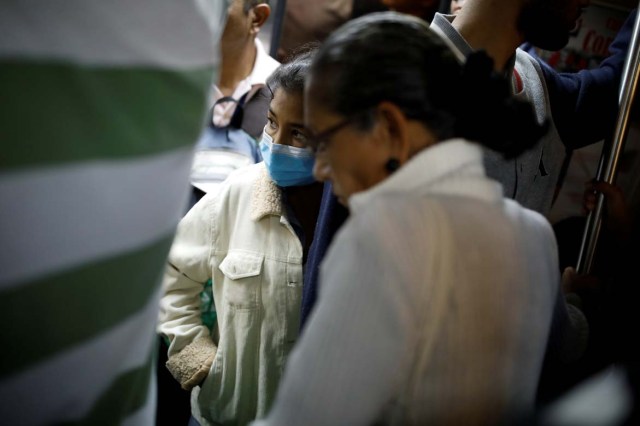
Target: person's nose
[321,169]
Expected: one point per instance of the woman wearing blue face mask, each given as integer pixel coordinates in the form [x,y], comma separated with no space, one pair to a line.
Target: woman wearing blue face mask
[251,240]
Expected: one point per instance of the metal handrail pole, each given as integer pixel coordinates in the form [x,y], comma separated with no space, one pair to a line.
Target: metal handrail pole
[610,157]
[592,227]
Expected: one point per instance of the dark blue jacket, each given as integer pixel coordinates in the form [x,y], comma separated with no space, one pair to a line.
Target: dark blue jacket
[331,216]
[584,105]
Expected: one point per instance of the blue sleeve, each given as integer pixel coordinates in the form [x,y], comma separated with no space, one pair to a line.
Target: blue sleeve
[584,105]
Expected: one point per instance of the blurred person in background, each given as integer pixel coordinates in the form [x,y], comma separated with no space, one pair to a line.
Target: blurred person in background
[424,9]
[239,100]
[313,20]
[309,21]
[583,107]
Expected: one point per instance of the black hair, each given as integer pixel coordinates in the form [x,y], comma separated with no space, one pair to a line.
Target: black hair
[291,75]
[394,57]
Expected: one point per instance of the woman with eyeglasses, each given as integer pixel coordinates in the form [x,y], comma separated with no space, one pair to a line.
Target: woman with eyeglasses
[438,293]
[251,240]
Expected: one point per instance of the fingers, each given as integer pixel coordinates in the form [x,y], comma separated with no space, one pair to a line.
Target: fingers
[589,198]
[613,195]
[610,192]
[567,280]
[618,216]
[572,282]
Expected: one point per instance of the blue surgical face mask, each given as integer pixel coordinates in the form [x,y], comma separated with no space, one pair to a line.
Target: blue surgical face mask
[287,165]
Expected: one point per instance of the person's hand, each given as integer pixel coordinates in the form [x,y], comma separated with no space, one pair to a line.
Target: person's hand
[200,374]
[572,282]
[617,215]
[192,364]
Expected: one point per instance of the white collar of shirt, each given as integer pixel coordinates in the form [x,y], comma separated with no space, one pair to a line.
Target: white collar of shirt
[263,66]
[452,167]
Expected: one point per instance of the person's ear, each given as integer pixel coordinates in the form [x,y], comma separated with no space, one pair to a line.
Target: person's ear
[259,14]
[393,127]
[321,169]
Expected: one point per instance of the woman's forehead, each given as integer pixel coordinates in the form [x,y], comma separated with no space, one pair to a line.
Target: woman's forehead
[287,104]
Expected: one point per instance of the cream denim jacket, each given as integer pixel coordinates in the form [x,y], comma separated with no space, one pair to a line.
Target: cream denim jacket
[240,238]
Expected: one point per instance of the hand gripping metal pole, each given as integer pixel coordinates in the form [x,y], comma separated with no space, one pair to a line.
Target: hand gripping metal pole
[611,152]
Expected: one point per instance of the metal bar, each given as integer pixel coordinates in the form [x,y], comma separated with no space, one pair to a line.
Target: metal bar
[611,153]
[276,31]
[592,226]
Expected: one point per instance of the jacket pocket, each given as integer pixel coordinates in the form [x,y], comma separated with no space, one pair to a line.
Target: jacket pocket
[231,391]
[242,272]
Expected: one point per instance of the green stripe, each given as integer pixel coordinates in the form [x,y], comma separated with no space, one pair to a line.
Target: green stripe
[54,313]
[127,395]
[65,113]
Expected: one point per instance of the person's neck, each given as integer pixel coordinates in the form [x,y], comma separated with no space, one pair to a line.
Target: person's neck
[237,64]
[491,25]
[305,200]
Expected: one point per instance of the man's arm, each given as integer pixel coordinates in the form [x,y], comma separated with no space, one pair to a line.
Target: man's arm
[584,105]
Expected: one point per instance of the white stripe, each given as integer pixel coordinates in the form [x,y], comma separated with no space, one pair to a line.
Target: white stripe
[66,387]
[167,33]
[147,414]
[56,218]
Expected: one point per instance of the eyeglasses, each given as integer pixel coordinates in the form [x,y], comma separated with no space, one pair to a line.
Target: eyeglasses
[319,141]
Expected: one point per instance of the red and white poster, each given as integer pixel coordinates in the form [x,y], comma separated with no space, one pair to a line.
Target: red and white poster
[589,43]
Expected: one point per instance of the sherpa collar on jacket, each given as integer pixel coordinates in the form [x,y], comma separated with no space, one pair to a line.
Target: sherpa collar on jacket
[266,197]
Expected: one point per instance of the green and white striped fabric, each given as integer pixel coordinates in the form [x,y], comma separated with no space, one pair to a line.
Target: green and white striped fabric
[100,105]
